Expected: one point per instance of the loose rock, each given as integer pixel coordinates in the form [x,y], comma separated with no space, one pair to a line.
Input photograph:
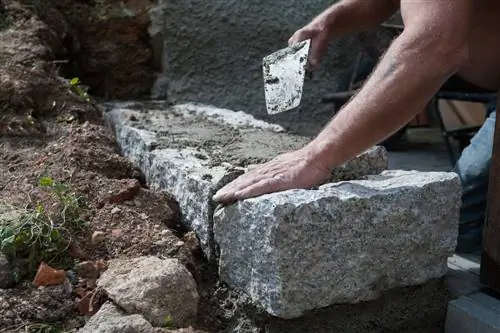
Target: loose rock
[156,288]
[48,276]
[130,188]
[98,237]
[110,319]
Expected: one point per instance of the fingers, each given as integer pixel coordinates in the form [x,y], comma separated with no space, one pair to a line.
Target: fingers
[264,186]
[227,194]
[318,46]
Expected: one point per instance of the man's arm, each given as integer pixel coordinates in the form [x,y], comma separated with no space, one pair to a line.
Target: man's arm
[342,18]
[432,47]
[353,16]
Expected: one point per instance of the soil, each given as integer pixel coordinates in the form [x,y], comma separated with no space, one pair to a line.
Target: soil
[49,129]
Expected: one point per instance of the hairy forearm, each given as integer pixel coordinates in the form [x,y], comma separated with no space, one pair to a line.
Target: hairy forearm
[402,84]
[352,16]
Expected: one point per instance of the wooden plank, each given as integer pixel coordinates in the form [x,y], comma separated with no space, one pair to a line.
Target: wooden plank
[490,260]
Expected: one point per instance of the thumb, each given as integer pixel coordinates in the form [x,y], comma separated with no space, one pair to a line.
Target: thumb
[317,48]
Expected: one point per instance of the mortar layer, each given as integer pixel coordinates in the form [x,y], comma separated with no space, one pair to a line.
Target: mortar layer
[223,136]
[238,146]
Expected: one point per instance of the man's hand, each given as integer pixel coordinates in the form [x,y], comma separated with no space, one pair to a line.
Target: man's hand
[298,169]
[340,19]
[318,32]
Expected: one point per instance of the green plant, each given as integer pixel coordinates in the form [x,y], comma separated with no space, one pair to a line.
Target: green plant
[39,233]
[71,205]
[168,322]
[77,88]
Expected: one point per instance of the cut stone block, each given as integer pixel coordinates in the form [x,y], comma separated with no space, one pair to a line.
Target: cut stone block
[192,150]
[348,242]
[474,313]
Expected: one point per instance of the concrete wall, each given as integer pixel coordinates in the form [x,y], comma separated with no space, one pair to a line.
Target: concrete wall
[213,54]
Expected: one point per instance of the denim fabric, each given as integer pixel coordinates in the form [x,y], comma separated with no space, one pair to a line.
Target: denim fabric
[473,168]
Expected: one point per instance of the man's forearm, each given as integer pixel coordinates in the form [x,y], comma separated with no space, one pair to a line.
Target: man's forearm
[410,73]
[352,16]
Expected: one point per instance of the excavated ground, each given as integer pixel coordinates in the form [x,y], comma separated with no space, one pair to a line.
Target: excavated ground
[49,127]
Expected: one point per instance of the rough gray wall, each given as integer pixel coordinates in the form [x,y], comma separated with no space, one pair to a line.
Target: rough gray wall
[213,54]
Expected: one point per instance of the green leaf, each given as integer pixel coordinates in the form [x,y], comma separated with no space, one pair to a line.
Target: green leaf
[60,188]
[46,182]
[8,241]
[55,235]
[39,209]
[6,232]
[75,81]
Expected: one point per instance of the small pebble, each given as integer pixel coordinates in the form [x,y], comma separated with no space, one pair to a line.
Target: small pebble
[162,242]
[115,210]
[116,233]
[98,237]
[71,275]
[166,232]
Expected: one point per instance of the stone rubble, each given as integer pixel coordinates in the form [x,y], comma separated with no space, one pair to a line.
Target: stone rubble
[178,165]
[158,289]
[110,319]
[343,243]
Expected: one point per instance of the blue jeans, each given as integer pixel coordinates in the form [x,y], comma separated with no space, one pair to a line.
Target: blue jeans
[473,168]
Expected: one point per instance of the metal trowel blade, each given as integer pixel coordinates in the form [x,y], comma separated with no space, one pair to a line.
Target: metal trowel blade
[284,73]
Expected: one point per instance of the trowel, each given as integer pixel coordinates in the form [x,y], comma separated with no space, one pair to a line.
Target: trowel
[284,73]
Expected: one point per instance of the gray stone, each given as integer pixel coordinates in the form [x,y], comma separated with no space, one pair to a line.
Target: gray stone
[6,273]
[109,319]
[155,288]
[193,150]
[474,313]
[348,242]
[218,60]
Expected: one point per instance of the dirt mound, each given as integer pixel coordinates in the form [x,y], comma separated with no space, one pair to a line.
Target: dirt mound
[75,200]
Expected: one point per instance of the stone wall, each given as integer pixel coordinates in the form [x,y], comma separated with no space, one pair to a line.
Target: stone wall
[369,243]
